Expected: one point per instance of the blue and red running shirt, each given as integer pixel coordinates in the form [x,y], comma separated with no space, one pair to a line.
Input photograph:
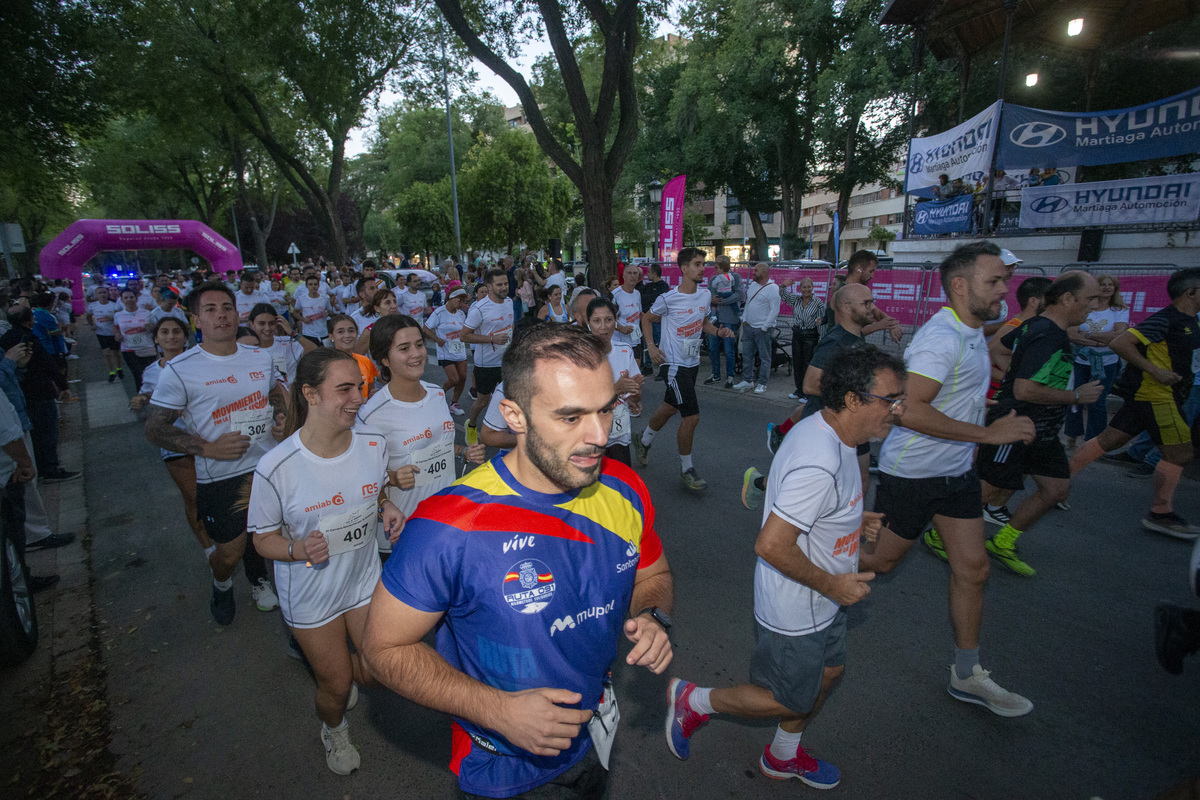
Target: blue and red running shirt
[534,589]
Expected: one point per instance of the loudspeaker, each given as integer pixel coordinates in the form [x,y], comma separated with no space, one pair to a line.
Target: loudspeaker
[406,250]
[555,248]
[1090,243]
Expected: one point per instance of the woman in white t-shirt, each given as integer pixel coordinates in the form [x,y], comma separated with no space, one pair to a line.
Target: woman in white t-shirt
[314,509]
[1094,360]
[627,377]
[412,414]
[383,304]
[444,327]
[132,332]
[171,335]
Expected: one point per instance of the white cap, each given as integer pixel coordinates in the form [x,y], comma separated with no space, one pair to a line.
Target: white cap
[1009,257]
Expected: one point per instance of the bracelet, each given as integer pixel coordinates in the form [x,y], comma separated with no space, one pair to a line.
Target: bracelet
[1076,395]
[291,544]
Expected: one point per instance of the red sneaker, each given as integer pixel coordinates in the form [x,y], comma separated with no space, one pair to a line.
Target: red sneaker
[813,771]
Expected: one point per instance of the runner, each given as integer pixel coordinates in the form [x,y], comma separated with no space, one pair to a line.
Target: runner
[683,312]
[488,555]
[248,297]
[168,306]
[132,332]
[410,299]
[382,304]
[494,430]
[100,315]
[343,335]
[1159,353]
[412,414]
[275,335]
[1037,385]
[311,310]
[366,289]
[171,337]
[227,395]
[313,510]
[860,269]
[627,377]
[444,327]
[807,571]
[489,326]
[926,467]
[629,310]
[579,305]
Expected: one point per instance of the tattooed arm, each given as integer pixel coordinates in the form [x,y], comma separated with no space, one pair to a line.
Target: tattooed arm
[161,432]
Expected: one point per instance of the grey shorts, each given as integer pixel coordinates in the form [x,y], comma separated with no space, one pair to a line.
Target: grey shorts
[792,666]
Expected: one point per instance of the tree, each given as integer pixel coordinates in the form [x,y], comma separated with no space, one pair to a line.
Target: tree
[881,236]
[423,217]
[695,227]
[509,195]
[604,122]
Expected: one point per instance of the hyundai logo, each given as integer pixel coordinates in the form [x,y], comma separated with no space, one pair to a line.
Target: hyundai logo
[917,161]
[922,216]
[1049,205]
[1037,134]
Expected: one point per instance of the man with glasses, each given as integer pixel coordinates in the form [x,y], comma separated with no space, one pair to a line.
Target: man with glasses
[926,467]
[807,570]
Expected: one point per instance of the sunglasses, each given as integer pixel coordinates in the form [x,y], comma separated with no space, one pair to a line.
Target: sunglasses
[897,402]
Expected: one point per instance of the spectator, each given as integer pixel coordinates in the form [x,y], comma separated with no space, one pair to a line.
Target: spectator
[16,470]
[762,309]
[807,313]
[727,296]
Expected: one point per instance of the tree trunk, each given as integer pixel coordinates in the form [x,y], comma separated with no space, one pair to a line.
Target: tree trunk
[760,236]
[598,236]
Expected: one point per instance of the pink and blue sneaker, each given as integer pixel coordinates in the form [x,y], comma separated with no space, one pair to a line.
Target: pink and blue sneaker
[682,721]
[812,771]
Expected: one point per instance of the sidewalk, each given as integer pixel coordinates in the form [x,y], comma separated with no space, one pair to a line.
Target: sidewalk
[55,740]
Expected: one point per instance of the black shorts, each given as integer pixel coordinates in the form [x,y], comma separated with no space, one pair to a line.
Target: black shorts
[1163,421]
[487,379]
[1005,466]
[108,342]
[681,388]
[215,506]
[445,362]
[910,503]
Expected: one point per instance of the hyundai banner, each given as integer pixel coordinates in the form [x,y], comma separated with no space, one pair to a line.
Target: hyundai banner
[943,216]
[964,151]
[1170,198]
[1170,127]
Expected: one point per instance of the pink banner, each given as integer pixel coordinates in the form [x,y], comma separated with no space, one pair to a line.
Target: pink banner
[66,256]
[819,276]
[670,219]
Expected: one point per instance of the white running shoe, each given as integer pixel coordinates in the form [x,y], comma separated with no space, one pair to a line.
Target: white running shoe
[982,690]
[264,595]
[760,389]
[456,410]
[742,386]
[341,756]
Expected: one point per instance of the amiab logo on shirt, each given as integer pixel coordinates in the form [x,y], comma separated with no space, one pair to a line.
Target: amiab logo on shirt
[528,586]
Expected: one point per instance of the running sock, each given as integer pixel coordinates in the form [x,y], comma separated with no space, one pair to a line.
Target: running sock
[760,483]
[965,661]
[335,727]
[1166,478]
[648,436]
[1088,452]
[208,551]
[786,426]
[993,508]
[686,461]
[700,702]
[224,585]
[786,744]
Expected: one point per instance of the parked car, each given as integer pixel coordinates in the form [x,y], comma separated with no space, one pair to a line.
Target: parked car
[18,620]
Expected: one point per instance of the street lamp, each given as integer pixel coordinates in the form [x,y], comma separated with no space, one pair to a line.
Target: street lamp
[1031,79]
[656,188]
[1075,27]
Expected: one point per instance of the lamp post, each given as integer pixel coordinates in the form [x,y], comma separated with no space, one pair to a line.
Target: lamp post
[656,188]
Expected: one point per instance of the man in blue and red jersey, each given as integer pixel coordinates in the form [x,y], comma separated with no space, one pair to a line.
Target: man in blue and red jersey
[533,561]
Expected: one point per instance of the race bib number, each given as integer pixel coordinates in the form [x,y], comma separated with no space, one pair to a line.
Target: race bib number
[603,724]
[351,529]
[280,362]
[435,464]
[455,348]
[621,421]
[691,349]
[252,422]
[139,341]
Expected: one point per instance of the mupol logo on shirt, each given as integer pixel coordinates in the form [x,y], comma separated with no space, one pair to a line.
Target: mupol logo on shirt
[528,586]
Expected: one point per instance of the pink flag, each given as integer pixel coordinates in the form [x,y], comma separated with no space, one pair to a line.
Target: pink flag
[670,220]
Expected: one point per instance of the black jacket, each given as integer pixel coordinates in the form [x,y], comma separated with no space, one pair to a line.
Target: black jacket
[42,378]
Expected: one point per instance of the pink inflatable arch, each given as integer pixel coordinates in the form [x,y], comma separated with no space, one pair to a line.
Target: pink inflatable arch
[66,255]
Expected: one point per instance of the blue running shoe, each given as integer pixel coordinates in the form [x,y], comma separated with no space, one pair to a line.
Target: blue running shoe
[812,771]
[682,721]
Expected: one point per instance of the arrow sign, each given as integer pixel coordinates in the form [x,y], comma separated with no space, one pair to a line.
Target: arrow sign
[293,249]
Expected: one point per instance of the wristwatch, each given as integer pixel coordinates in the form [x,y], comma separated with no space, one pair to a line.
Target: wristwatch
[660,616]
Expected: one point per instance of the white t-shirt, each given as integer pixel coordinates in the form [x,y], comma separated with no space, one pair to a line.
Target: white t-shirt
[218,394]
[284,355]
[277,298]
[363,321]
[102,315]
[146,300]
[956,356]
[245,302]
[135,332]
[316,307]
[297,492]
[493,418]
[153,316]
[449,327]
[149,380]
[485,318]
[815,485]
[629,312]
[420,433]
[623,364]
[683,318]
[1102,321]
[411,303]
[558,279]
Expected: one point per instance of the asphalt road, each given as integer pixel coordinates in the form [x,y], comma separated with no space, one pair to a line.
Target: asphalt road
[209,712]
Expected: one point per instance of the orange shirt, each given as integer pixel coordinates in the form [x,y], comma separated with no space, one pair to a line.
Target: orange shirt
[369,373]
